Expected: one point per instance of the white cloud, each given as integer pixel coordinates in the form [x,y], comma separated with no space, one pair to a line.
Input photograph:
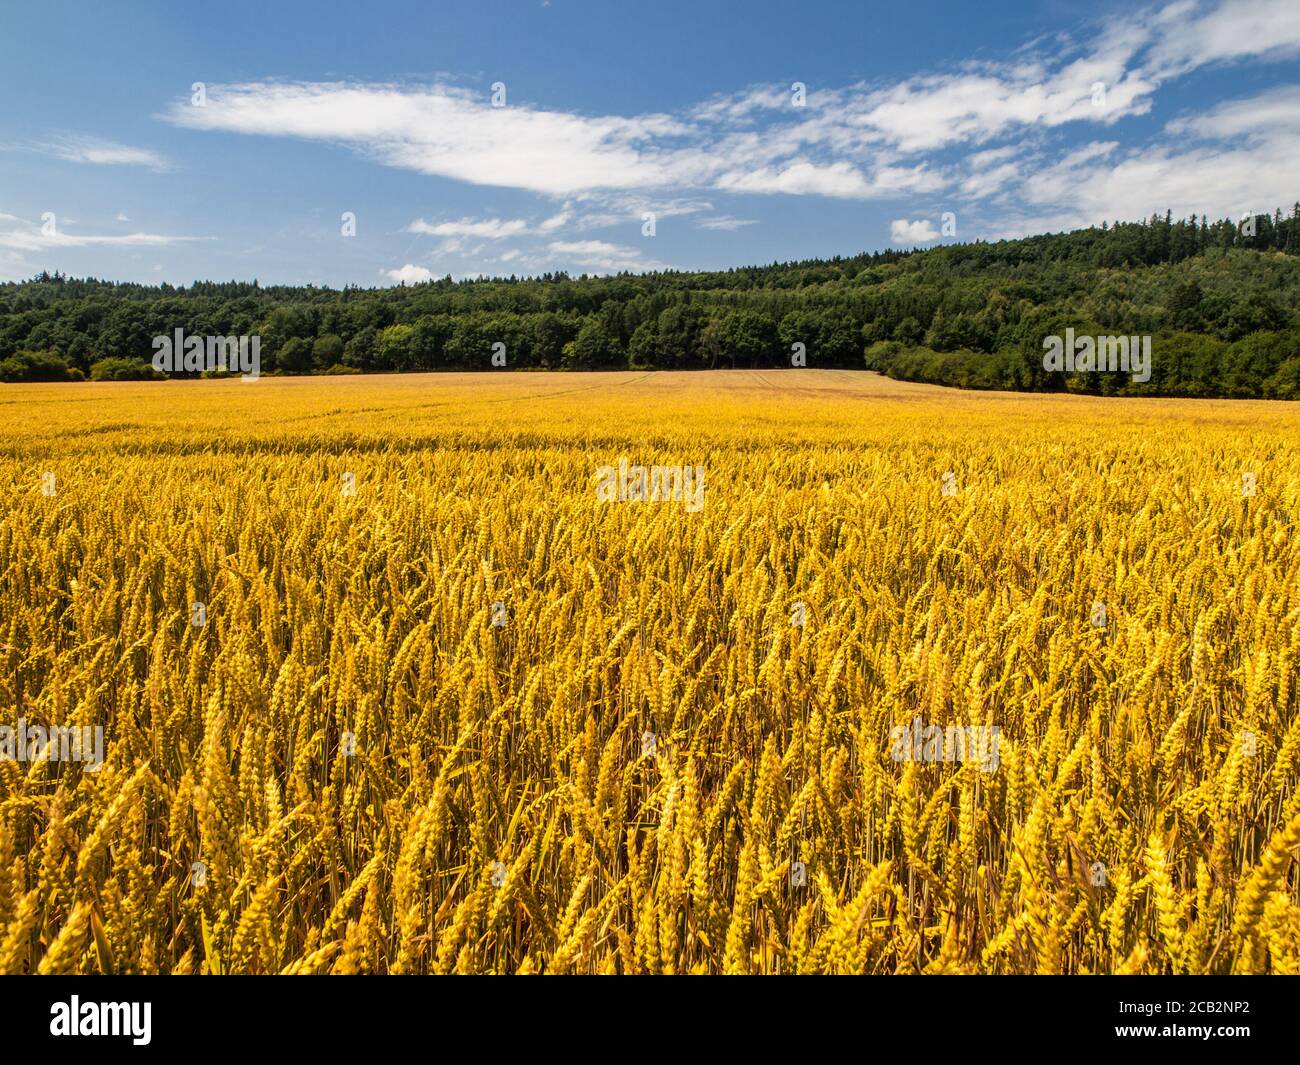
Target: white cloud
[984,183]
[1269,112]
[34,236]
[598,210]
[486,229]
[557,221]
[846,143]
[992,157]
[450,132]
[942,132]
[1240,156]
[931,113]
[901,231]
[602,256]
[78,148]
[1193,34]
[800,178]
[726,222]
[121,217]
[410,274]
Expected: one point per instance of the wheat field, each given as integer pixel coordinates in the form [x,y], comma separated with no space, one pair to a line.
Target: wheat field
[385,688]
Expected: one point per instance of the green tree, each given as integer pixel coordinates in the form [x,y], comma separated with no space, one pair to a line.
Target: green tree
[909,331]
[327,351]
[36,366]
[595,346]
[642,349]
[295,356]
[124,370]
[395,348]
[748,338]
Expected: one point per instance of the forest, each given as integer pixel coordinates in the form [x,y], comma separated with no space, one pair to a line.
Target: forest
[1220,300]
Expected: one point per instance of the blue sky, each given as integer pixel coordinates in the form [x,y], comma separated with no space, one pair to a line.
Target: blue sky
[1012,118]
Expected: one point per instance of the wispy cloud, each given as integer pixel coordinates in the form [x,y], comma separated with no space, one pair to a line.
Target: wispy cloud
[485,228]
[601,256]
[726,222]
[1240,156]
[80,148]
[1277,110]
[1195,33]
[50,233]
[449,132]
[934,133]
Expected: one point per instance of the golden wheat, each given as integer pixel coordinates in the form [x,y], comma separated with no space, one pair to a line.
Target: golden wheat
[442,710]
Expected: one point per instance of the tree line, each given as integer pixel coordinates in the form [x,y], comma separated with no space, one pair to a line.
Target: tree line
[1220,299]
